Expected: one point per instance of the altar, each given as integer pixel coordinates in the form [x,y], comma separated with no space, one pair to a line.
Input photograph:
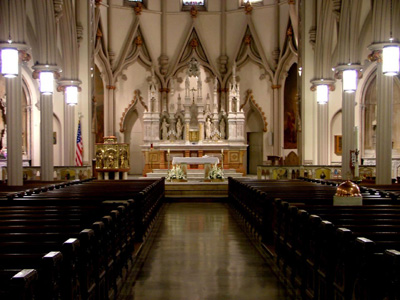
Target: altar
[205,160]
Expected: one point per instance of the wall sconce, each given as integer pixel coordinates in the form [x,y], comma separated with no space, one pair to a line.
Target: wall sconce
[46,82]
[390,52]
[390,60]
[349,81]
[9,55]
[71,93]
[322,94]
[9,62]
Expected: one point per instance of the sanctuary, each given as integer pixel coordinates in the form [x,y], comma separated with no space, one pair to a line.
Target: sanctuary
[195,126]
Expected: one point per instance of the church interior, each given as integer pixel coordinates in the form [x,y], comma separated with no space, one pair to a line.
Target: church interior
[209,149]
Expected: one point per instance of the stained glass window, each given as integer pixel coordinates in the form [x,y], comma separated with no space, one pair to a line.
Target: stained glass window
[199,4]
[252,2]
[133,3]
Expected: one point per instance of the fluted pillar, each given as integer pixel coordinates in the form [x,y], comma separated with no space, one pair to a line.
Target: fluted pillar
[14,129]
[323,134]
[348,142]
[46,137]
[69,134]
[384,85]
[109,111]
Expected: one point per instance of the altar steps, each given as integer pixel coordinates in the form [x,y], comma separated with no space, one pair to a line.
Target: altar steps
[192,174]
[196,190]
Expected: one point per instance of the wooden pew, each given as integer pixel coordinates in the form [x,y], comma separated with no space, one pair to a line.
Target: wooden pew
[100,272]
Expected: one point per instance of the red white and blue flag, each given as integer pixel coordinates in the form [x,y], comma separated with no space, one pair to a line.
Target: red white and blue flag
[79,147]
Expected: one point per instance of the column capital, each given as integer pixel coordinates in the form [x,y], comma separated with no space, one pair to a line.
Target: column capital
[45,68]
[340,68]
[329,82]
[63,84]
[110,87]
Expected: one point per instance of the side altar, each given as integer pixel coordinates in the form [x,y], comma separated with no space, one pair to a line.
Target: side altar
[112,157]
[201,124]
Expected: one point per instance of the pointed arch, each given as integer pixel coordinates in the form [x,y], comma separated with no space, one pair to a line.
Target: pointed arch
[193,47]
[288,58]
[132,105]
[250,101]
[250,48]
[134,49]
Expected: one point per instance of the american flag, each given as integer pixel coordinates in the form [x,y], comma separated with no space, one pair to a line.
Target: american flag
[79,147]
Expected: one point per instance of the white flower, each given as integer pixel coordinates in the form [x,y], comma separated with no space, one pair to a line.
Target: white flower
[176,173]
[216,173]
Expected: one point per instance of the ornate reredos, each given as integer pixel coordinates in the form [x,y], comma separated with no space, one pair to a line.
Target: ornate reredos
[193,68]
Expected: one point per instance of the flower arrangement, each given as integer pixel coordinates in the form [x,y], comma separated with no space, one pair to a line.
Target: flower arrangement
[216,173]
[176,173]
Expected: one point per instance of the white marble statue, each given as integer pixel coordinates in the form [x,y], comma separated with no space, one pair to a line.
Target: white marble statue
[164,129]
[208,128]
[179,129]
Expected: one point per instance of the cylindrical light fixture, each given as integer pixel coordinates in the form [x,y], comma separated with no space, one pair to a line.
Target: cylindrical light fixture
[71,93]
[9,62]
[390,60]
[349,81]
[322,94]
[46,82]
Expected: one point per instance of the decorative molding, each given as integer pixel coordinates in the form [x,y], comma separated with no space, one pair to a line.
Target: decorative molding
[248,8]
[138,40]
[110,87]
[24,56]
[375,56]
[138,8]
[289,31]
[193,12]
[137,97]
[276,86]
[250,99]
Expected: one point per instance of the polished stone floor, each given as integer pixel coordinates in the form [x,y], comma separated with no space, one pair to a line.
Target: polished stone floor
[198,252]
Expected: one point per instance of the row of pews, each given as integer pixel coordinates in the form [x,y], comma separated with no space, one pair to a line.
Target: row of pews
[73,240]
[323,251]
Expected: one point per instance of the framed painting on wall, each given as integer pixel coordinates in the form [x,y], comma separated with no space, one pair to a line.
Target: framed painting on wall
[338,144]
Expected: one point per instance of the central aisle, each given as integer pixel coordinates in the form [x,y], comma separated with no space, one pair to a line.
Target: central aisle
[200,253]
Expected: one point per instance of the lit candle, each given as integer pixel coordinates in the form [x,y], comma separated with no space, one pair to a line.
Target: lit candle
[222,151]
[168,151]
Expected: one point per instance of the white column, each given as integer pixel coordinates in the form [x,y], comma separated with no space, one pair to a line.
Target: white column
[109,111]
[14,129]
[69,135]
[384,87]
[348,142]
[46,137]
[323,134]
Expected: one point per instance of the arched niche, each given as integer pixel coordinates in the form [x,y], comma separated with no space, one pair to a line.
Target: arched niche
[290,110]
[133,135]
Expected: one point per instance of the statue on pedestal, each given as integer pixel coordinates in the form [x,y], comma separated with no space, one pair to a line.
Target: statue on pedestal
[208,128]
[164,129]
[179,129]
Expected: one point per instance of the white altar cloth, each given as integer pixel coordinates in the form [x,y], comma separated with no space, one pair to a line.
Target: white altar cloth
[195,160]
